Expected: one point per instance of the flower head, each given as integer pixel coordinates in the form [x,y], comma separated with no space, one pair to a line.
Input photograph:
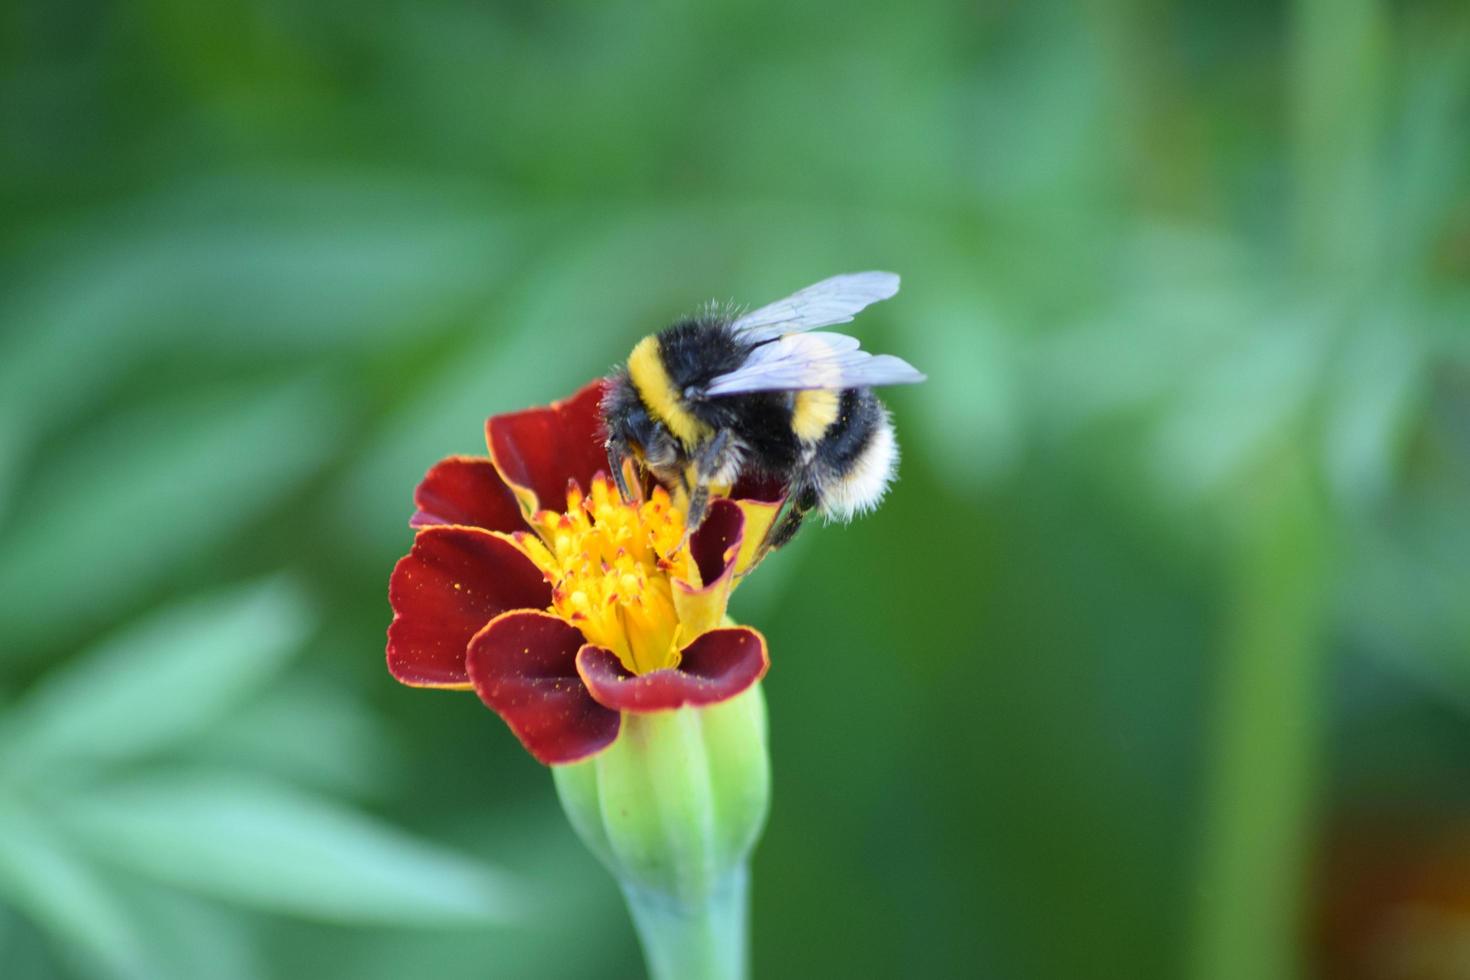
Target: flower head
[562,605]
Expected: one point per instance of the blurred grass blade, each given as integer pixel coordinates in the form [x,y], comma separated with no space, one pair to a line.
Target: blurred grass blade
[262,844]
[111,516]
[157,682]
[42,878]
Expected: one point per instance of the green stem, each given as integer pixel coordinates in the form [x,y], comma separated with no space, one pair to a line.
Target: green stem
[1266,752]
[699,940]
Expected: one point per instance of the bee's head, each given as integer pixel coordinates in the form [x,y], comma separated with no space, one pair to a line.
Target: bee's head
[632,425]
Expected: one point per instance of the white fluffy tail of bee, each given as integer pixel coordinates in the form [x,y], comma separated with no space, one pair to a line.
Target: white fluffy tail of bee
[861,487]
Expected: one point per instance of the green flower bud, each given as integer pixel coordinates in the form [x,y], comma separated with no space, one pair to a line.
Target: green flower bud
[673,808]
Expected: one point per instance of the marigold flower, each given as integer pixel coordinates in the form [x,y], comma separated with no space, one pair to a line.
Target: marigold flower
[561,620]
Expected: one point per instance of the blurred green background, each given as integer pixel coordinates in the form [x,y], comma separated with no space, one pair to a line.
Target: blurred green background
[1156,664]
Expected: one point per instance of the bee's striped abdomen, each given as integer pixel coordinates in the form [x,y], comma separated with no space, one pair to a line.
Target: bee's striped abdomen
[856,459]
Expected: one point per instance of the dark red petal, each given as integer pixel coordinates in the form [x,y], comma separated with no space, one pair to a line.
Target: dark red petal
[466,490]
[717,542]
[453,582]
[756,486]
[524,666]
[540,449]
[717,666]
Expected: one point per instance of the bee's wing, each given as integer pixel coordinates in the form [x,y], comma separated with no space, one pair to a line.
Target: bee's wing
[813,360]
[823,304]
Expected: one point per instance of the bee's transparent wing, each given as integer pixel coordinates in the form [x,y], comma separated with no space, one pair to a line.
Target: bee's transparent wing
[813,360]
[823,304]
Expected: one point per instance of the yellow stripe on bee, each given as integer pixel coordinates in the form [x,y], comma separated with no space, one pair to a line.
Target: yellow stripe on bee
[648,374]
[813,412]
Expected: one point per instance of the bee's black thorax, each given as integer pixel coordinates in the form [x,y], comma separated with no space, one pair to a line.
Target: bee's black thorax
[695,352]
[698,350]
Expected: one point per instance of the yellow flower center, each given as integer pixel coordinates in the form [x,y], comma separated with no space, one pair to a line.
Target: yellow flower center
[613,566]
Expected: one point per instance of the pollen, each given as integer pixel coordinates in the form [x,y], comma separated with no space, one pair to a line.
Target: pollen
[612,565]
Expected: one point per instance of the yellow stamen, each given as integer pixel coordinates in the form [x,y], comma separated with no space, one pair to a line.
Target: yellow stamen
[614,566]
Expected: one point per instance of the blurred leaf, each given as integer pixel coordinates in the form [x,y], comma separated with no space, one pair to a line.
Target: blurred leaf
[311,731]
[1370,395]
[1338,96]
[10,456]
[24,946]
[535,839]
[158,682]
[193,938]
[1240,405]
[42,877]
[1429,154]
[1404,596]
[1181,306]
[278,849]
[303,263]
[110,516]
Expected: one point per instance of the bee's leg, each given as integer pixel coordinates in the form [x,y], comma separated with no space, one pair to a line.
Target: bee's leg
[706,465]
[698,504]
[617,454]
[803,501]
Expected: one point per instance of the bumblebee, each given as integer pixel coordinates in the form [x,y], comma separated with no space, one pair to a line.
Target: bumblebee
[720,395]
